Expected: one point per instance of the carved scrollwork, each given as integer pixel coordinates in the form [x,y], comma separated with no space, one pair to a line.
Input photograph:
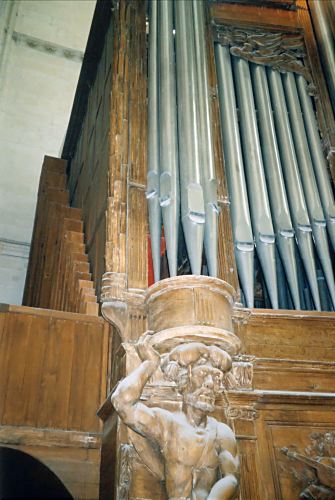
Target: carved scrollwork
[281,51]
[127,453]
[241,413]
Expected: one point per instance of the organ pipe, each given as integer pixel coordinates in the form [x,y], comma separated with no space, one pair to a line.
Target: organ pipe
[153,143]
[169,178]
[295,193]
[308,180]
[319,161]
[253,162]
[192,199]
[285,140]
[205,140]
[241,224]
[324,35]
[275,181]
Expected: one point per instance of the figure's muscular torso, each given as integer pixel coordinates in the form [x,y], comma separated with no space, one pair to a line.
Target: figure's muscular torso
[191,454]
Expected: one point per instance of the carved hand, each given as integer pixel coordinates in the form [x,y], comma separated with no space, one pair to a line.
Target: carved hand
[146,352]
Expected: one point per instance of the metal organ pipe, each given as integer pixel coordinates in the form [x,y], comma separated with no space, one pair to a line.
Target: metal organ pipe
[169,177]
[308,180]
[295,193]
[192,199]
[181,167]
[319,161]
[153,143]
[242,232]
[275,181]
[205,140]
[323,30]
[253,162]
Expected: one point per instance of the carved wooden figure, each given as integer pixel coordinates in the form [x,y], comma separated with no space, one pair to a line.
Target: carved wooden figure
[198,453]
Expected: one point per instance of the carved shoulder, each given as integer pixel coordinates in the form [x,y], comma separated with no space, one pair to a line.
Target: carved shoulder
[225,438]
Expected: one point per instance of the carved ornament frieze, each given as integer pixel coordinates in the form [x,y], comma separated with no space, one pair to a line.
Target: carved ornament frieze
[241,413]
[279,50]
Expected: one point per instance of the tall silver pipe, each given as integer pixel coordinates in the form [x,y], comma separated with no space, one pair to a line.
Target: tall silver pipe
[330,10]
[242,232]
[313,202]
[153,143]
[275,182]
[319,161]
[257,190]
[325,41]
[192,199]
[282,285]
[326,301]
[169,178]
[294,188]
[205,140]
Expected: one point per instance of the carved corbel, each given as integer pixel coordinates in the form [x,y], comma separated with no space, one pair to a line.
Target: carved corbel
[241,375]
[123,308]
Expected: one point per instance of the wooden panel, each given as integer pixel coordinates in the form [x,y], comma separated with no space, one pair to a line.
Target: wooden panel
[56,267]
[284,423]
[108,460]
[137,239]
[126,247]
[294,376]
[92,396]
[34,370]
[289,335]
[251,15]
[77,394]
[249,472]
[55,367]
[88,179]
[19,328]
[138,93]
[118,152]
[51,189]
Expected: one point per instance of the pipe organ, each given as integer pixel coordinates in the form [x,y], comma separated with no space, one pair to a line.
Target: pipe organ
[186,168]
[231,169]
[281,200]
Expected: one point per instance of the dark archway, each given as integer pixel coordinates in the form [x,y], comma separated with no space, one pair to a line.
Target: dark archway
[23,476]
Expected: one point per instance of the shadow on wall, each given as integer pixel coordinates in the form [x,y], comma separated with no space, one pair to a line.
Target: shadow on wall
[22,476]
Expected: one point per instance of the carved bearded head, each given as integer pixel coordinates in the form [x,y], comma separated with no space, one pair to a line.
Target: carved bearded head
[198,371]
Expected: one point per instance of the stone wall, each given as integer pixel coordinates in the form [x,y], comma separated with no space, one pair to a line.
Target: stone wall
[41,49]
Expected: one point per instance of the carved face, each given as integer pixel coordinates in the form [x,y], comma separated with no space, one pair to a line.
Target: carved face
[205,383]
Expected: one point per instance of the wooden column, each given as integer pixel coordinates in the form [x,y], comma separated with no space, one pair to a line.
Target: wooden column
[126,245]
[177,310]
[242,414]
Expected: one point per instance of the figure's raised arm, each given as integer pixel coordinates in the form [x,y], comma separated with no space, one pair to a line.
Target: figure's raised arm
[126,396]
